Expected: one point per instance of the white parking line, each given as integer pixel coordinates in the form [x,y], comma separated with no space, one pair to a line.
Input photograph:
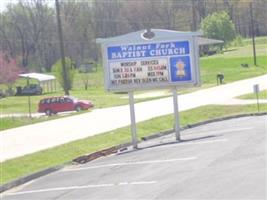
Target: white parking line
[138,183]
[225,131]
[81,187]
[143,182]
[193,142]
[201,142]
[132,163]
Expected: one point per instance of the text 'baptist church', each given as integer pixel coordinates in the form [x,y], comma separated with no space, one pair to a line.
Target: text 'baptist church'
[148,50]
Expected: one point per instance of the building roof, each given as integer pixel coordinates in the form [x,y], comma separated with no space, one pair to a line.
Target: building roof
[138,36]
[160,34]
[38,76]
[207,41]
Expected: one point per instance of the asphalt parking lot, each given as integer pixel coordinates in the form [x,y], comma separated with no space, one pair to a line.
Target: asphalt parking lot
[221,160]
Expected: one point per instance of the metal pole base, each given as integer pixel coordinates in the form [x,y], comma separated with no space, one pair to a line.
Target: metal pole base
[133,123]
[176,114]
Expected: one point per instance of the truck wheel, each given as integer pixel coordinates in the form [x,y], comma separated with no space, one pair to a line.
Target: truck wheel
[48,112]
[78,108]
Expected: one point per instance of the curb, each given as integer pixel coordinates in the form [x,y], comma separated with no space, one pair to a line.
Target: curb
[163,133]
[28,178]
[105,152]
[79,160]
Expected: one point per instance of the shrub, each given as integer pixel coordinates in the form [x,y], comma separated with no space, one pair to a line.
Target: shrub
[219,26]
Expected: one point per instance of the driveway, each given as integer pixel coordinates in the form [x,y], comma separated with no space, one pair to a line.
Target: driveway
[221,160]
[32,138]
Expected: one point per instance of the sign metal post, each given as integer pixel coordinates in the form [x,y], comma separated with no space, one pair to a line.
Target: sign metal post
[256,91]
[176,114]
[133,123]
[29,98]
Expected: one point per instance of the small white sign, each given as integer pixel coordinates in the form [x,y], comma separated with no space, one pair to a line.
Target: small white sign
[256,88]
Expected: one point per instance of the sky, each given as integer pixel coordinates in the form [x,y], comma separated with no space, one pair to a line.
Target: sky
[4,3]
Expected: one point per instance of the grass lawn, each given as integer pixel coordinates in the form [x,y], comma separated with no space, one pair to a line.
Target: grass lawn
[262,95]
[258,40]
[231,69]
[22,166]
[13,122]
[210,67]
[245,49]
[228,63]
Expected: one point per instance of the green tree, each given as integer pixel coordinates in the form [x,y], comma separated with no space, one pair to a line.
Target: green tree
[70,71]
[219,26]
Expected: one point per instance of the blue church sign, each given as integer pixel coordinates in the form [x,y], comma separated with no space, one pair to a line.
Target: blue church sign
[154,63]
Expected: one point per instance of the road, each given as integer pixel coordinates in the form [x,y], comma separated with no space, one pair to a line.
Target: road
[36,137]
[221,160]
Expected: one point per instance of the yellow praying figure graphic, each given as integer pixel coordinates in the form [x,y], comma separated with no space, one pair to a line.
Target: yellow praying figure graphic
[180,65]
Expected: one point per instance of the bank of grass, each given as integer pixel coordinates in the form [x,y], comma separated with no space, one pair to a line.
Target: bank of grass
[258,40]
[14,122]
[25,165]
[243,48]
[262,95]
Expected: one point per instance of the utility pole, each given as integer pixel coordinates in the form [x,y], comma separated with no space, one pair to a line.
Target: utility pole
[216,6]
[253,34]
[29,98]
[173,15]
[65,79]
[194,16]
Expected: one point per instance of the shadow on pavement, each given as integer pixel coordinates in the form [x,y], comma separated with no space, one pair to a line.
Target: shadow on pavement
[131,149]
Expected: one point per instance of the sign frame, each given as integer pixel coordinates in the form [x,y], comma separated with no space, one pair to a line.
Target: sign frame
[193,56]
